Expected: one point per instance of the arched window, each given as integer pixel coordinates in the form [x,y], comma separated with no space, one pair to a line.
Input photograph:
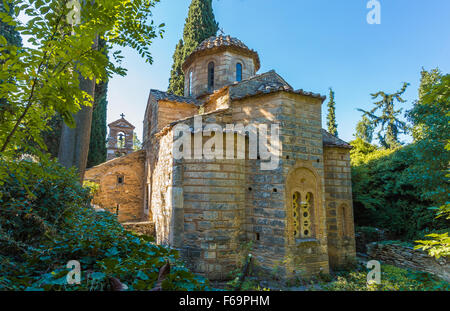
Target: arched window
[190,84]
[302,214]
[120,140]
[238,72]
[211,76]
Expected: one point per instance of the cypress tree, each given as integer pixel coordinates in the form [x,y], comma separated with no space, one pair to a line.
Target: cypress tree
[200,25]
[97,143]
[176,81]
[331,117]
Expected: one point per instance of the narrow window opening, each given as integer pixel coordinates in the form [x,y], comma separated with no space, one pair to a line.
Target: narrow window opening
[211,76]
[120,180]
[190,84]
[257,236]
[117,209]
[275,190]
[238,72]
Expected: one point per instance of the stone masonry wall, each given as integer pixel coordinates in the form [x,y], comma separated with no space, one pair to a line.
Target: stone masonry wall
[338,195]
[160,173]
[407,257]
[224,71]
[302,158]
[126,197]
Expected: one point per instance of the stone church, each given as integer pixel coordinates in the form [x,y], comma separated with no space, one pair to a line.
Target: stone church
[296,219]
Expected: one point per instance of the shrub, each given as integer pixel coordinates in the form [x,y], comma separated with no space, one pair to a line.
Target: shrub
[46,220]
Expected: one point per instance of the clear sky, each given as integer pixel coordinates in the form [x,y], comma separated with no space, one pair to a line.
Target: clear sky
[313,44]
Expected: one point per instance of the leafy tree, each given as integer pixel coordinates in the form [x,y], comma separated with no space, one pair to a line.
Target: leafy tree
[428,79]
[200,25]
[137,145]
[391,126]
[331,116]
[364,129]
[176,80]
[48,77]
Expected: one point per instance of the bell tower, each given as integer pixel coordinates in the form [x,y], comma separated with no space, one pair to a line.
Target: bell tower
[120,140]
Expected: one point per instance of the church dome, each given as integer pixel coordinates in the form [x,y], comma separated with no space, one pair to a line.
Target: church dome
[221,43]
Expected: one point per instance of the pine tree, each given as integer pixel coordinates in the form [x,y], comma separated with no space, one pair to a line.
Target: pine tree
[364,130]
[200,25]
[331,117]
[391,126]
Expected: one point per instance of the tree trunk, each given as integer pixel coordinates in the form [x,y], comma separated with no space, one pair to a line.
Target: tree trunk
[74,144]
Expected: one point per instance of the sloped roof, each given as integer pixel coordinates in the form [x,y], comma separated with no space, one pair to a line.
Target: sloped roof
[122,123]
[220,43]
[160,95]
[330,140]
[265,83]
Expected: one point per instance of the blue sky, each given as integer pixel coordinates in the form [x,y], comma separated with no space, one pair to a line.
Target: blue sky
[313,44]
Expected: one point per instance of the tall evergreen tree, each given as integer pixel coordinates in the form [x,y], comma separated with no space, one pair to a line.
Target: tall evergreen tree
[97,144]
[428,80]
[331,116]
[176,81]
[391,126]
[200,25]
[364,130]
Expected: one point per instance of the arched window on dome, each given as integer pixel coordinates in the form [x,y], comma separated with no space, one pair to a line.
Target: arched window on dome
[211,76]
[238,72]
[190,83]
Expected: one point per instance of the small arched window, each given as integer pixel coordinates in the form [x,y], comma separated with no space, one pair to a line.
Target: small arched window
[190,83]
[303,215]
[121,137]
[211,76]
[238,72]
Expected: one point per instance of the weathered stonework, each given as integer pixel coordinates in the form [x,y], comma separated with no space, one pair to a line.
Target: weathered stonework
[120,140]
[124,196]
[298,217]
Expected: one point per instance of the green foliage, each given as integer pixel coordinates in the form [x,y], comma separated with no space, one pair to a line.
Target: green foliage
[46,221]
[392,279]
[390,125]
[331,116]
[9,32]
[387,192]
[200,25]
[364,130]
[44,79]
[428,79]
[137,145]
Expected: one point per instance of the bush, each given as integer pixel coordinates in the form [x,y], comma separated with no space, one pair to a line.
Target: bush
[46,220]
[390,190]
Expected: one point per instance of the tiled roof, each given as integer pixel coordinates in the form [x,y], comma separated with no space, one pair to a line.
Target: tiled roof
[160,95]
[330,140]
[265,83]
[219,43]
